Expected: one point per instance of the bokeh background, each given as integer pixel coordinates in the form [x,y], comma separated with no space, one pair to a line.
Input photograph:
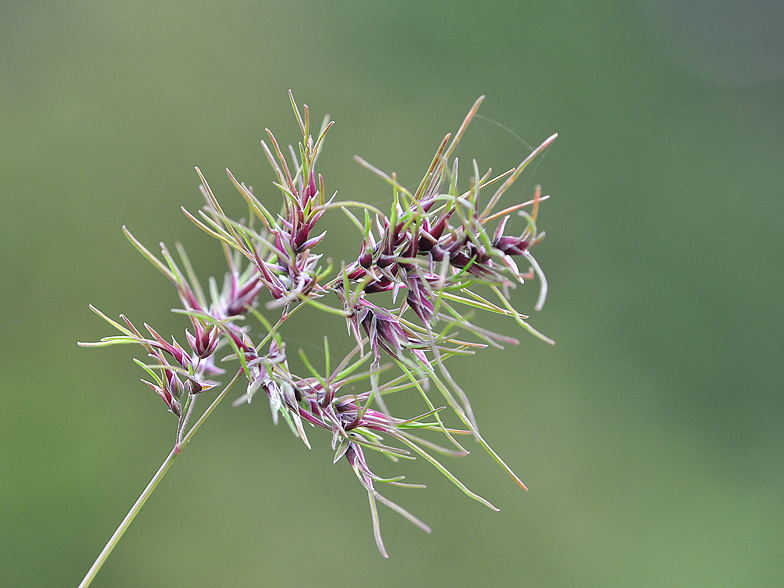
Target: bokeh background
[650,435]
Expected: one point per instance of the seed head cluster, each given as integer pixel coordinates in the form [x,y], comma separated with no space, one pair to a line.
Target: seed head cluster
[442,255]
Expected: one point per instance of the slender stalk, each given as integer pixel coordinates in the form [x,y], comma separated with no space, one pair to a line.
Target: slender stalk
[107,550]
[126,522]
[184,421]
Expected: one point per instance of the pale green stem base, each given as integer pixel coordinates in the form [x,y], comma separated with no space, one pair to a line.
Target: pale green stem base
[128,519]
[107,550]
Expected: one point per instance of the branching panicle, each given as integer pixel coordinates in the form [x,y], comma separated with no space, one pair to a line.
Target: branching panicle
[435,251]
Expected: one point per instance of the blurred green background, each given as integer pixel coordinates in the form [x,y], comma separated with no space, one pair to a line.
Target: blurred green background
[650,436]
